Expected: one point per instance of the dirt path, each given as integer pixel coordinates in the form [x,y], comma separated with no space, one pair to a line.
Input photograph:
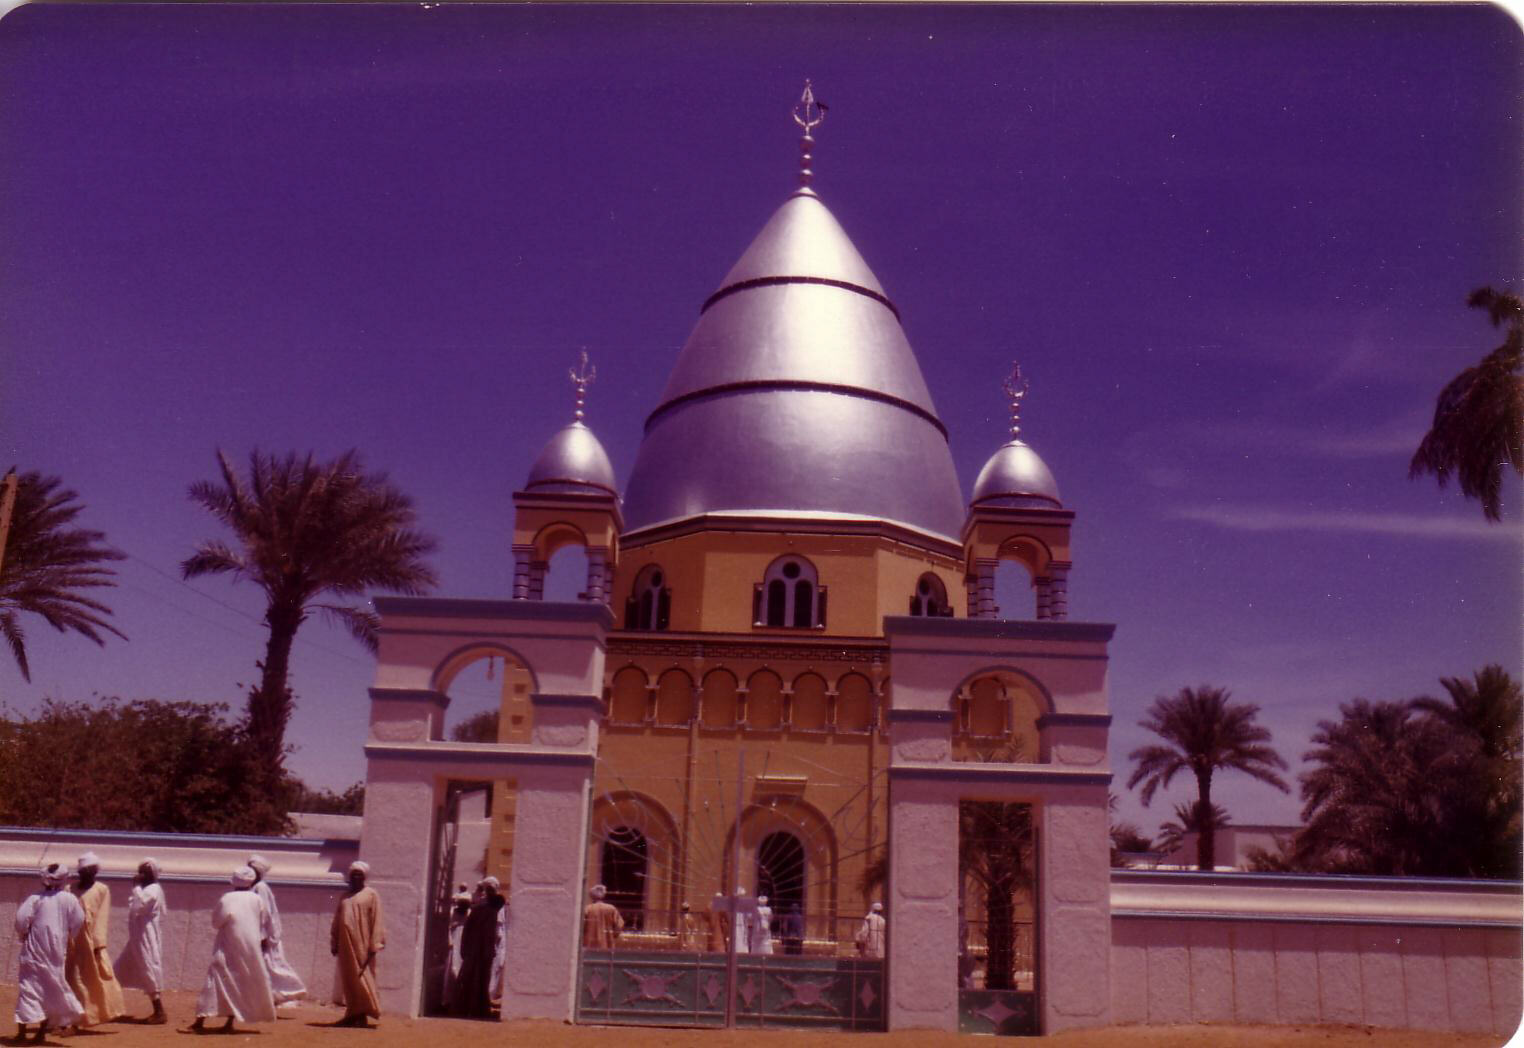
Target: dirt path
[308,1026]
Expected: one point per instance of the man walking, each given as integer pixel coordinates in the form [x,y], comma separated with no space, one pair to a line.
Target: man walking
[46,924]
[89,968]
[356,938]
[284,982]
[141,963]
[237,983]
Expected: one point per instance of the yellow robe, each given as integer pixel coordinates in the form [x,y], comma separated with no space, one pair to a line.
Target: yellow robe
[601,925]
[89,966]
[357,936]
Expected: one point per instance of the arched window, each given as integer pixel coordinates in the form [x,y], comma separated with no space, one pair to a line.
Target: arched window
[789,595]
[930,598]
[623,869]
[780,872]
[650,603]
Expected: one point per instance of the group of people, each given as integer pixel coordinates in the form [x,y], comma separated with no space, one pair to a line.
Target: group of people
[67,981]
[751,925]
[478,936]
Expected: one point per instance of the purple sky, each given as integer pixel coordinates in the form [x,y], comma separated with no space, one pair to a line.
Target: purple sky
[1230,246]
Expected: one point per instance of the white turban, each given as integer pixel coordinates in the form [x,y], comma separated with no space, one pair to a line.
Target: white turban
[598,891]
[54,874]
[462,897]
[876,907]
[89,861]
[243,877]
[260,865]
[152,864]
[490,882]
[761,900]
[362,867]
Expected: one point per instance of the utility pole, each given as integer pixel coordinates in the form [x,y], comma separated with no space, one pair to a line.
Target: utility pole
[7,507]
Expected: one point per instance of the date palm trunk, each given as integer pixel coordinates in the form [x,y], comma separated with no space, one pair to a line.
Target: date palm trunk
[269,706]
[1206,826]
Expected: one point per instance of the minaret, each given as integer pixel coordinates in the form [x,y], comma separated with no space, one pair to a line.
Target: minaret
[569,499]
[1016,514]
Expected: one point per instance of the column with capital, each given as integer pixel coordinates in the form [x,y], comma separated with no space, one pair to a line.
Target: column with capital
[522,556]
[1058,600]
[986,587]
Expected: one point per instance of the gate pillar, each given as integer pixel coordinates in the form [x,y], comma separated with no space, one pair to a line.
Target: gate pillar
[1066,788]
[408,767]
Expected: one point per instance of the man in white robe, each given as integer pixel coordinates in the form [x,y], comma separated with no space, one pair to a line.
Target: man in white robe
[46,923]
[237,982]
[762,933]
[870,937]
[286,984]
[140,966]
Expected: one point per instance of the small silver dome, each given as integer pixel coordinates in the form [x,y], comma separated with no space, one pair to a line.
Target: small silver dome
[573,462]
[1016,477]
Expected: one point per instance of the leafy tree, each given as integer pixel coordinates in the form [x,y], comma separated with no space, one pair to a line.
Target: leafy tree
[1127,838]
[304,529]
[1203,732]
[479,727]
[143,765]
[1479,415]
[1191,818]
[46,565]
[350,801]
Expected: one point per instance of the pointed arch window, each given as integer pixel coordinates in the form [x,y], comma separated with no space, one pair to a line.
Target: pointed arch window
[790,596]
[649,606]
[930,598]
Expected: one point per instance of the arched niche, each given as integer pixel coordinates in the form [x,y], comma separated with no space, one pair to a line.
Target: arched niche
[718,702]
[629,696]
[809,707]
[764,701]
[995,717]
[854,704]
[674,699]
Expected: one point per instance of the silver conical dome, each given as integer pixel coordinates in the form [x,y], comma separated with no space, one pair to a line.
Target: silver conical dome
[573,462]
[797,394]
[1015,476]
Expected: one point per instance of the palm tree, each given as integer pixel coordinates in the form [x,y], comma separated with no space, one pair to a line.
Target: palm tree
[46,565]
[1204,732]
[1381,795]
[995,850]
[303,529]
[1479,416]
[1188,819]
[1484,716]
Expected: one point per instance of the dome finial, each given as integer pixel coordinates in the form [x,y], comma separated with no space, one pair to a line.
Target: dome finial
[808,114]
[582,381]
[1016,389]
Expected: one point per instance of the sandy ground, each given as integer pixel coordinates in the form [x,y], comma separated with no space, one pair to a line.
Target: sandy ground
[309,1026]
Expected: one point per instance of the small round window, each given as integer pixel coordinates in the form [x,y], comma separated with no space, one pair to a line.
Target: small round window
[791,570]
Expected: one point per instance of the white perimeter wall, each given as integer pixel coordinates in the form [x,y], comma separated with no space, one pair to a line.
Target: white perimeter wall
[1248,948]
[307,876]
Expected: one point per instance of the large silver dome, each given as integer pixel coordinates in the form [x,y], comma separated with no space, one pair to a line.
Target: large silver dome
[797,394]
[573,462]
[1015,476]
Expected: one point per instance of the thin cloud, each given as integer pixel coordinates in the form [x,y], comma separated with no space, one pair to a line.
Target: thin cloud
[1407,525]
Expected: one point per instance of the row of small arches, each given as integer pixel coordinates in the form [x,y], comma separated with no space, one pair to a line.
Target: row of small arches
[789,596]
[763,704]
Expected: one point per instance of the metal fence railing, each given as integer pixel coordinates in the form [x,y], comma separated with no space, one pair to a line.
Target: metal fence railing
[702,931]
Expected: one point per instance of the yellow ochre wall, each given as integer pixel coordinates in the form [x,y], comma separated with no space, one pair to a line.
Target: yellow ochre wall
[712,575]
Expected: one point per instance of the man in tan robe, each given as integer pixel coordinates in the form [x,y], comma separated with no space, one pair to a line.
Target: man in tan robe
[357,937]
[89,966]
[601,923]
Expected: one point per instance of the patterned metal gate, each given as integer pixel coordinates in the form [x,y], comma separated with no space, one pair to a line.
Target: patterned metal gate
[634,987]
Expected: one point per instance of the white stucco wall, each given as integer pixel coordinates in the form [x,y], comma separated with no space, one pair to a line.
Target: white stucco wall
[1250,948]
[306,874]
